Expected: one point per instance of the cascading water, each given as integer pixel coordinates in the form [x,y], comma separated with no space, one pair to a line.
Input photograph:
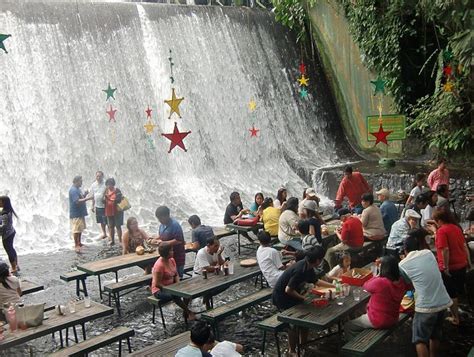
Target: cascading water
[53,124]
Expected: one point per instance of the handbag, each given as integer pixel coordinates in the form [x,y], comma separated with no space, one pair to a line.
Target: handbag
[30,315]
[124,204]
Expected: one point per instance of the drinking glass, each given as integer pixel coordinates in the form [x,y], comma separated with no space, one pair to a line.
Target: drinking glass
[72,306]
[87,301]
[357,294]
[346,289]
[231,268]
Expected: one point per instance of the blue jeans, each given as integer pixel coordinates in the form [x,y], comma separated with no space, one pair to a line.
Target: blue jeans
[164,297]
[358,209]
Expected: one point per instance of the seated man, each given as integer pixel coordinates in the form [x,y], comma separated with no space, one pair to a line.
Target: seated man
[209,258]
[201,341]
[388,209]
[352,186]
[351,235]
[235,210]
[200,232]
[288,289]
[269,259]
[401,228]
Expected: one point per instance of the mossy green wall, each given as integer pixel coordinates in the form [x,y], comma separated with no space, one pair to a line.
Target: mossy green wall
[349,78]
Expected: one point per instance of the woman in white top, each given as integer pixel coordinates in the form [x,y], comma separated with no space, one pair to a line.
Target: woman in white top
[281,198]
[371,217]
[287,225]
[418,189]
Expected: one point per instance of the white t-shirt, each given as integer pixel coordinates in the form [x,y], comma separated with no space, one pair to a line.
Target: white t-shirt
[225,349]
[426,214]
[204,259]
[9,295]
[287,222]
[415,192]
[269,261]
[336,272]
[277,203]
[189,351]
[98,190]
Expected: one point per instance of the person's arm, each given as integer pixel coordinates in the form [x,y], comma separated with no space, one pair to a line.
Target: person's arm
[220,260]
[158,277]
[239,348]
[371,285]
[93,199]
[324,284]
[364,218]
[343,235]
[294,294]
[125,241]
[468,254]
[195,241]
[430,180]
[341,193]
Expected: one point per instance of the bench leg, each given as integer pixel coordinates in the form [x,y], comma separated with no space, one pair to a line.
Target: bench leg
[263,342]
[162,317]
[75,334]
[67,336]
[84,331]
[277,344]
[117,303]
[78,290]
[100,287]
[116,276]
[129,345]
[84,287]
[238,240]
[120,348]
[153,314]
[61,338]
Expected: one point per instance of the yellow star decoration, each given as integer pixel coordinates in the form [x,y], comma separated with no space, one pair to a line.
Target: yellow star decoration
[448,86]
[174,103]
[149,127]
[303,81]
[252,105]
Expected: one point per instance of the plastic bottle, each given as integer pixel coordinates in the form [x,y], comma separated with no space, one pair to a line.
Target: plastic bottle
[11,317]
[338,288]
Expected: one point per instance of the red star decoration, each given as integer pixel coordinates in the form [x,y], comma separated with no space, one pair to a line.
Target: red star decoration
[448,71]
[111,112]
[381,135]
[176,138]
[302,68]
[254,131]
[148,112]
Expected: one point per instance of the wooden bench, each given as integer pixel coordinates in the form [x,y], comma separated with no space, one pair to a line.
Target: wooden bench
[167,347]
[133,283]
[365,341]
[28,287]
[221,312]
[157,302]
[274,326]
[94,343]
[80,278]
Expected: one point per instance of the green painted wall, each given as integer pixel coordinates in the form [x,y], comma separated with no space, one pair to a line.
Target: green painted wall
[349,78]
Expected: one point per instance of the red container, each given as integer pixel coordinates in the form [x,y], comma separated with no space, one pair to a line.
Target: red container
[319,302]
[363,276]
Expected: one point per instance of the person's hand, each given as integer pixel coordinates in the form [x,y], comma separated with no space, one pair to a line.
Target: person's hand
[446,271]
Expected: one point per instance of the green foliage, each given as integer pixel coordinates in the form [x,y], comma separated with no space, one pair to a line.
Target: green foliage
[292,14]
[404,41]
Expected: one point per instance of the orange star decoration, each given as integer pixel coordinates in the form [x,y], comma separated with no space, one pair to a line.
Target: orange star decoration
[252,105]
[303,80]
[111,112]
[149,127]
[448,86]
[174,103]
[381,135]
[176,138]
[254,131]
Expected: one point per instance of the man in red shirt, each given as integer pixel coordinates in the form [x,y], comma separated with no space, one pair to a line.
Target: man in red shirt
[352,186]
[350,234]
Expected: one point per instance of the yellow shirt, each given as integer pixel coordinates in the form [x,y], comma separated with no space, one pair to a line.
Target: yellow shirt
[270,218]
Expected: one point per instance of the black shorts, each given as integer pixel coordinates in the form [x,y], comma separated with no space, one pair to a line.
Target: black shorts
[427,326]
[455,282]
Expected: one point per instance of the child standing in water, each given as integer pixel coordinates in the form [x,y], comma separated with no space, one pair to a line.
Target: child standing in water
[7,231]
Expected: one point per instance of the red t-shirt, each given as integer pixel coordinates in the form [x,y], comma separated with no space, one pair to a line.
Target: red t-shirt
[385,299]
[352,232]
[353,188]
[110,203]
[450,236]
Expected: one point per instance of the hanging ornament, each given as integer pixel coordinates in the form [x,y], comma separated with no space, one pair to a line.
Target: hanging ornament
[170,58]
[176,138]
[447,55]
[111,112]
[252,105]
[303,93]
[174,103]
[448,71]
[110,92]
[303,81]
[379,84]
[3,37]
[381,135]
[151,143]
[254,131]
[149,127]
[302,68]
[448,86]
[148,112]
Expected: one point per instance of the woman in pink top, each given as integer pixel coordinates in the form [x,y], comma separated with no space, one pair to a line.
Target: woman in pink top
[387,292]
[164,273]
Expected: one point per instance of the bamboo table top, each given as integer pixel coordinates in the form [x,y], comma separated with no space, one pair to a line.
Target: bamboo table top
[166,348]
[307,315]
[54,322]
[198,286]
[28,287]
[117,263]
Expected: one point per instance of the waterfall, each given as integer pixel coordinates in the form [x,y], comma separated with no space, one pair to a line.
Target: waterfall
[53,123]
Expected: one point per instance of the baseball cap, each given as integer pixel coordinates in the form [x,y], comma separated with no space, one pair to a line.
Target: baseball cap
[384,192]
[310,192]
[412,213]
[311,205]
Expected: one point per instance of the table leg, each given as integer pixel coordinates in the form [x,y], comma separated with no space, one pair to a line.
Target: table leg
[100,287]
[61,338]
[75,334]
[83,331]
[116,276]
[238,240]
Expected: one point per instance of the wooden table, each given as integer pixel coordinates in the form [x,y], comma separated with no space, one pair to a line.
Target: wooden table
[54,323]
[244,229]
[198,286]
[27,287]
[168,347]
[114,264]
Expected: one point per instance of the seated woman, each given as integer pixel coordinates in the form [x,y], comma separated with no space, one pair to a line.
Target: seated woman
[371,217]
[280,201]
[310,212]
[165,273]
[270,216]
[133,238]
[386,293]
[287,225]
[10,290]
[257,202]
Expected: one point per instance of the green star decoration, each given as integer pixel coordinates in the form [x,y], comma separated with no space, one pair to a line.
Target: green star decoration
[303,93]
[448,55]
[3,37]
[379,84]
[110,92]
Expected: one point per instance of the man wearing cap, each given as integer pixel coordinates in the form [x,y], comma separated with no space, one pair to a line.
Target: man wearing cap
[401,228]
[389,211]
[351,235]
[352,186]
[309,195]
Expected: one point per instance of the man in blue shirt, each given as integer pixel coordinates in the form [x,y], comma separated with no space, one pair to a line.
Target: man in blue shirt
[77,211]
[389,211]
[170,232]
[200,232]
